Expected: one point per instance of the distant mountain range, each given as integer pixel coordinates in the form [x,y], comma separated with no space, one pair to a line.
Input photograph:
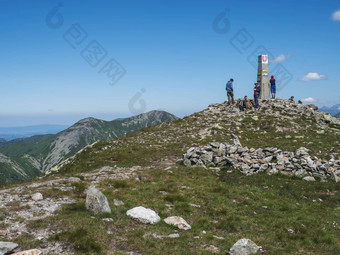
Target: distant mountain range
[337,115]
[10,133]
[333,110]
[23,158]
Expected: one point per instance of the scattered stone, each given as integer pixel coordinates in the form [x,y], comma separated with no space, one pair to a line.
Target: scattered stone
[309,178]
[118,202]
[195,205]
[7,247]
[74,179]
[290,230]
[143,215]
[107,219]
[178,222]
[244,247]
[37,196]
[211,248]
[96,202]
[29,252]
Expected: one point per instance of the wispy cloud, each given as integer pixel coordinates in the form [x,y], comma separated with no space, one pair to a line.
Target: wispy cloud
[308,100]
[336,15]
[280,58]
[313,77]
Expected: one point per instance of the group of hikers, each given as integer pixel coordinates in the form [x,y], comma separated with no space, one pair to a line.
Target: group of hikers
[246,104]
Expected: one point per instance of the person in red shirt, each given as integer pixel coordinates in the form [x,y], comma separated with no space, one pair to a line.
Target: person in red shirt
[273,87]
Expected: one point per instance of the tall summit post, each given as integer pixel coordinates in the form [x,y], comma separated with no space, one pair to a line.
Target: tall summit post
[263,77]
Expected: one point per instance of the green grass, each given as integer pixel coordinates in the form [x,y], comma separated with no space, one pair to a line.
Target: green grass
[233,206]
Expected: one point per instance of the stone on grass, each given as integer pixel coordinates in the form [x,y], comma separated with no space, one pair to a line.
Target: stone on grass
[178,222]
[28,252]
[118,202]
[244,247]
[143,215]
[309,178]
[37,196]
[7,247]
[96,202]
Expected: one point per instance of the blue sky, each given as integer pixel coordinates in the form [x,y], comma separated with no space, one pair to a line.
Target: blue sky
[177,55]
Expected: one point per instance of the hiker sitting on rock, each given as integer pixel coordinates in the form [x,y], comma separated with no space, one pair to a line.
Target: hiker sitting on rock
[230,91]
[245,104]
[291,99]
[257,91]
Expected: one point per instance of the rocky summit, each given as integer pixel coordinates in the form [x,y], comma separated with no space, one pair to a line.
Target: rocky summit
[220,181]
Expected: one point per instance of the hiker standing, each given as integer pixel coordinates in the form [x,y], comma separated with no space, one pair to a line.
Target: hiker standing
[257,90]
[273,87]
[230,91]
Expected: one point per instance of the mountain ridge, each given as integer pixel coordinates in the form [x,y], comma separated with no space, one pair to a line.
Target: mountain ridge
[333,110]
[42,152]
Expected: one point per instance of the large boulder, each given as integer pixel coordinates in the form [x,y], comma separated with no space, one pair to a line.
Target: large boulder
[96,202]
[178,222]
[7,247]
[244,247]
[143,215]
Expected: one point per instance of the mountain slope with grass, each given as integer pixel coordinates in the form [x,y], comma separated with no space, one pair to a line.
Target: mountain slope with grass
[282,213]
[27,157]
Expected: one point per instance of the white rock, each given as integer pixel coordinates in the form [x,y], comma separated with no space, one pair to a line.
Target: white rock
[309,179]
[244,247]
[37,196]
[143,215]
[96,202]
[7,247]
[178,222]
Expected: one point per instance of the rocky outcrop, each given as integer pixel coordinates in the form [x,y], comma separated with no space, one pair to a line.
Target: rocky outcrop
[96,202]
[251,161]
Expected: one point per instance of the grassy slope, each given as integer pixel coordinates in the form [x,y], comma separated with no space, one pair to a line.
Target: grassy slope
[233,206]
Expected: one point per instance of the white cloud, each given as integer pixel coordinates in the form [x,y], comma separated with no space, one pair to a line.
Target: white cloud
[313,77]
[339,108]
[336,15]
[308,100]
[280,58]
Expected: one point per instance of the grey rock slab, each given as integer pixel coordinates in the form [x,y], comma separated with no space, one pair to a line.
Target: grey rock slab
[7,247]
[96,202]
[143,215]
